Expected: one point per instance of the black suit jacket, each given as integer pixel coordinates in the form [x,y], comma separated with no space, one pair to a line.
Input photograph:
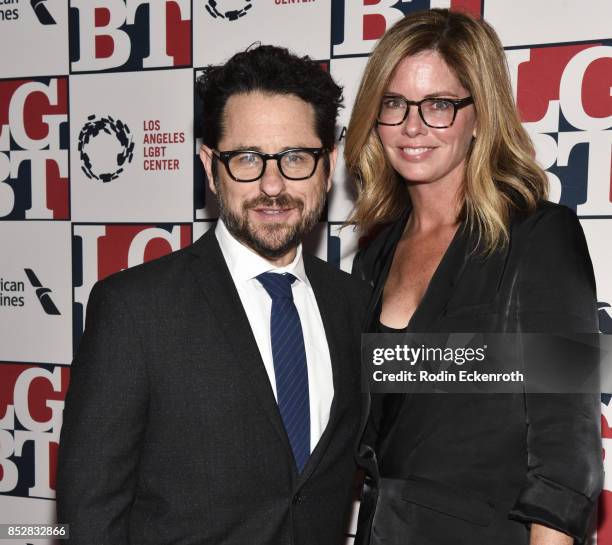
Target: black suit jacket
[476,469]
[171,432]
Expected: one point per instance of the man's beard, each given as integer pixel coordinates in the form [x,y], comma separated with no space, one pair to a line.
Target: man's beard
[273,240]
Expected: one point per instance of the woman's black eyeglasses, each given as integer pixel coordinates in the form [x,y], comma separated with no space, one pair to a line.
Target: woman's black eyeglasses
[437,113]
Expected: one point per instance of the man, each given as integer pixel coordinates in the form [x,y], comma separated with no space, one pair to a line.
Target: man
[215,395]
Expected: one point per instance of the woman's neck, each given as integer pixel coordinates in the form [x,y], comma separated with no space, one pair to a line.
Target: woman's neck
[434,206]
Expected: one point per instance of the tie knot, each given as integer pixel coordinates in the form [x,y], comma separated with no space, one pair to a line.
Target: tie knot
[277,285]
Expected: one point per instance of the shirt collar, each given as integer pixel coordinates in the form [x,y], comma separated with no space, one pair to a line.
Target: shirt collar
[244,264]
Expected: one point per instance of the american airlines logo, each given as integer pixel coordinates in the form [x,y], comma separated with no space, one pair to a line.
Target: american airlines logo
[605,317]
[43,293]
[13,293]
[42,13]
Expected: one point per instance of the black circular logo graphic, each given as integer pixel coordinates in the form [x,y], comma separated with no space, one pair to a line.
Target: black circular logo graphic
[228,9]
[94,128]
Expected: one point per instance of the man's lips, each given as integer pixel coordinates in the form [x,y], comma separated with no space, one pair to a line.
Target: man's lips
[271,212]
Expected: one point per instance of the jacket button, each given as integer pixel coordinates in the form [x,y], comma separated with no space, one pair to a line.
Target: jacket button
[298,498]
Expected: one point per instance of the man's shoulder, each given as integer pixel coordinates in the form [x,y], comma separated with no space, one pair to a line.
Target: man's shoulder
[158,274]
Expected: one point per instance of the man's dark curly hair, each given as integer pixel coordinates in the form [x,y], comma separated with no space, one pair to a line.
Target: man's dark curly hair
[269,69]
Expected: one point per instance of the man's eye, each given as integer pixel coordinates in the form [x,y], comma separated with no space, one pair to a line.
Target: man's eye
[295,158]
[248,158]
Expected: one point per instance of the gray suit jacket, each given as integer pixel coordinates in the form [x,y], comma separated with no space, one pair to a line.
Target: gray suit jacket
[171,431]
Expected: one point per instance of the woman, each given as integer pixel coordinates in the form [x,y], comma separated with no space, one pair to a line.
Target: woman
[438,149]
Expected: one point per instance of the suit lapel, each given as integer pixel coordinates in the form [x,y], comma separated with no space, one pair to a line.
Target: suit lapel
[384,260]
[213,276]
[430,309]
[366,453]
[441,285]
[334,325]
[443,282]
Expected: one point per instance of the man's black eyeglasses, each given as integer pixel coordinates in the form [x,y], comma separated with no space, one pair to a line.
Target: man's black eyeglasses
[437,113]
[249,165]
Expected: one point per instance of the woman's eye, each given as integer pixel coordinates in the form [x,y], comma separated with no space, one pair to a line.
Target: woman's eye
[440,105]
[393,103]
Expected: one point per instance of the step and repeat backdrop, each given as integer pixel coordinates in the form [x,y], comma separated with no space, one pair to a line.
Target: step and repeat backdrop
[99,168]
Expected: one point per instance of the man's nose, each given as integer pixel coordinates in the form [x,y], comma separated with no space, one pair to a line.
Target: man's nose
[272,183]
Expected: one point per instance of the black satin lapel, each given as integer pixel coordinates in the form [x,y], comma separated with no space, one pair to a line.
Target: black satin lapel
[443,282]
[220,292]
[385,259]
[430,309]
[365,453]
[334,325]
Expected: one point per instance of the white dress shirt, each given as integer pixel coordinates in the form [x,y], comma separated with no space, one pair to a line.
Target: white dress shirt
[245,265]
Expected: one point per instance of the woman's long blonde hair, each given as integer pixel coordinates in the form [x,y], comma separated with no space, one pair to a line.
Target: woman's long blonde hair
[501,173]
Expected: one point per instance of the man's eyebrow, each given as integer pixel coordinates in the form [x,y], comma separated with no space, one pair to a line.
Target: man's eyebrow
[242,147]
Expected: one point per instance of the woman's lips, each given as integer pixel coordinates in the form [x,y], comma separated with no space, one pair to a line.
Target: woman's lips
[416,153]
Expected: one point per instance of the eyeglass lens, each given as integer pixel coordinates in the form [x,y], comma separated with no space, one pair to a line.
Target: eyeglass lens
[293,165]
[435,112]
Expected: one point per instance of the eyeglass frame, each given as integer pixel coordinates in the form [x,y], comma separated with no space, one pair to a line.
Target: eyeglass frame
[457,105]
[226,156]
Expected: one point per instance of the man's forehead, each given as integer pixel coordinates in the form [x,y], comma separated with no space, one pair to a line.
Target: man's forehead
[250,117]
[274,104]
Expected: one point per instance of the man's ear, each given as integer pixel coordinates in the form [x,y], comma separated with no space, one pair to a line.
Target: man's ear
[333,157]
[206,156]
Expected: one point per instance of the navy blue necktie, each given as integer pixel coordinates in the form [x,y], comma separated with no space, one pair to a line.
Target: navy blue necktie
[290,370]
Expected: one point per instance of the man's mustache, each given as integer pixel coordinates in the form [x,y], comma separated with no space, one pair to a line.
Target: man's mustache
[282,201]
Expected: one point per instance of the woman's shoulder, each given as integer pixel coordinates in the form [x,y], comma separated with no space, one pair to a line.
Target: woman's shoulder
[375,247]
[548,219]
[376,238]
[550,240]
